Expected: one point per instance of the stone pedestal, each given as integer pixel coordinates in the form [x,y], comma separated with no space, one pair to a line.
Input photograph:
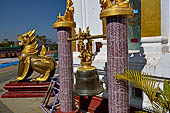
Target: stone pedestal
[98,105]
[25,90]
[74,111]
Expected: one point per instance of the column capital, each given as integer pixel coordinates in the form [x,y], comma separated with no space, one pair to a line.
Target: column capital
[59,24]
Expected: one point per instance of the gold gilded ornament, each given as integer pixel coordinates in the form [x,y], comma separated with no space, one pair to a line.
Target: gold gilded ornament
[106,4]
[30,61]
[121,3]
[118,3]
[68,19]
[86,53]
[120,7]
[68,16]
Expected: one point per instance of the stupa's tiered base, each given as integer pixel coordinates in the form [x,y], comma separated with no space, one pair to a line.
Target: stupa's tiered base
[25,90]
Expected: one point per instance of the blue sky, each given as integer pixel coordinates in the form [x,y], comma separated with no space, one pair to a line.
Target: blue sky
[19,16]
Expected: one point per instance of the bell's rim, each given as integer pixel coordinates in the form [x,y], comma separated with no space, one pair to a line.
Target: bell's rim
[88,92]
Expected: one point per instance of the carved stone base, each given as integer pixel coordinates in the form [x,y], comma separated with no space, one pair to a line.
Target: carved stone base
[25,90]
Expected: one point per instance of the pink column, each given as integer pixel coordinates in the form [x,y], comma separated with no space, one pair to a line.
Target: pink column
[117,59]
[65,69]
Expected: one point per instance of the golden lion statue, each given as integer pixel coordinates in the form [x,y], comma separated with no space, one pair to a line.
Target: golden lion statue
[30,61]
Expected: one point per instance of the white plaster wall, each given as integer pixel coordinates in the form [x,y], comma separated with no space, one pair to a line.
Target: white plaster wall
[163,66]
[93,16]
[165,17]
[78,16]
[87,13]
[169,18]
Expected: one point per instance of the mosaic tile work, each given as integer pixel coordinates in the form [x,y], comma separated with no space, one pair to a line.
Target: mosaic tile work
[65,69]
[117,58]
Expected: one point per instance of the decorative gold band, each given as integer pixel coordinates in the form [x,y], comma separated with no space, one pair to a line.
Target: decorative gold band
[59,24]
[116,11]
[86,66]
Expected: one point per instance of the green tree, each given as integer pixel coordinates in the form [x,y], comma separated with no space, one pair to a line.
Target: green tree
[53,46]
[41,39]
[12,43]
[5,43]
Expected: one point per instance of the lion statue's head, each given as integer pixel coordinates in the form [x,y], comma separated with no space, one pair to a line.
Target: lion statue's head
[26,38]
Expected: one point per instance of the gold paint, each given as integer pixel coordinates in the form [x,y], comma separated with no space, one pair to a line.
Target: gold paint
[26,68]
[121,8]
[106,4]
[31,49]
[45,77]
[121,3]
[20,58]
[104,28]
[67,20]
[59,24]
[86,52]
[43,51]
[30,61]
[73,42]
[88,37]
[115,11]
[45,61]
[150,18]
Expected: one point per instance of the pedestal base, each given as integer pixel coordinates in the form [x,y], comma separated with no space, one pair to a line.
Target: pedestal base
[98,105]
[25,90]
[95,104]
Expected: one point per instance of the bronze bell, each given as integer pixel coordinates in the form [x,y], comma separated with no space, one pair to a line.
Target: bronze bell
[87,82]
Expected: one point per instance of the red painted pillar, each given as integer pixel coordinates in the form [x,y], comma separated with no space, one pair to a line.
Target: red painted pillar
[65,69]
[117,52]
[65,58]
[117,56]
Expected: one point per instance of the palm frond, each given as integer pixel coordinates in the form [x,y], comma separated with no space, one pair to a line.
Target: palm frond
[164,96]
[143,81]
[150,87]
